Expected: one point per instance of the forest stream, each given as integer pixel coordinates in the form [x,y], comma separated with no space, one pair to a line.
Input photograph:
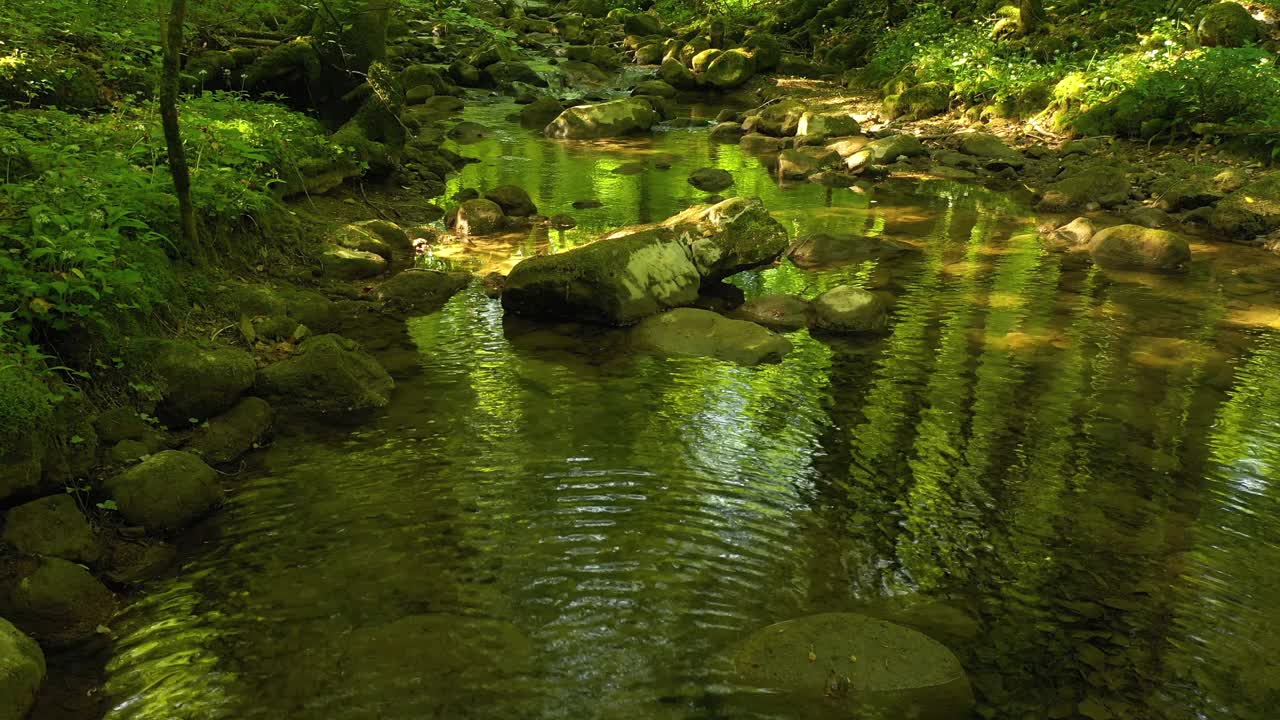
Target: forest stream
[1060,472]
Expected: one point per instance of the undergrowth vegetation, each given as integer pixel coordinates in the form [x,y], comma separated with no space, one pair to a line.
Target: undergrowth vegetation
[87,211]
[1156,82]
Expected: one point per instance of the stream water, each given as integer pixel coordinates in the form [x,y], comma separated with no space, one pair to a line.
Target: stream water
[1066,475]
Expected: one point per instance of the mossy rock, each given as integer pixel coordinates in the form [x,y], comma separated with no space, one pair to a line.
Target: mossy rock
[711,179]
[846,309]
[1133,247]
[1251,211]
[232,434]
[889,149]
[636,272]
[701,333]
[729,70]
[55,601]
[1229,24]
[866,667]
[26,410]
[781,119]
[22,672]
[168,491]
[539,113]
[342,263]
[611,119]
[677,74]
[195,382]
[45,81]
[330,375]
[54,527]
[920,101]
[122,423]
[1105,186]
[421,291]
[479,217]
[777,312]
[514,200]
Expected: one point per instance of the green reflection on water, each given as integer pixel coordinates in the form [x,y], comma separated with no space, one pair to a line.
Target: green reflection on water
[583,532]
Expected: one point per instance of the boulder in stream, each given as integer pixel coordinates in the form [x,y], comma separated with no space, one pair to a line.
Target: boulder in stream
[329,375]
[1133,247]
[616,118]
[846,309]
[873,668]
[421,291]
[711,179]
[778,312]
[480,216]
[729,69]
[22,672]
[702,333]
[514,201]
[639,271]
[674,73]
[167,491]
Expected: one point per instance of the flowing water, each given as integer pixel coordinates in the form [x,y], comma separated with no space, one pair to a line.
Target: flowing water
[1068,476]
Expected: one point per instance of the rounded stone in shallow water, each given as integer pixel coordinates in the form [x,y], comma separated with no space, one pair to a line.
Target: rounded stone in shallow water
[702,333]
[857,664]
[711,179]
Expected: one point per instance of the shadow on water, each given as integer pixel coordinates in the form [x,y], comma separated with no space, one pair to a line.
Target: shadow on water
[1064,475]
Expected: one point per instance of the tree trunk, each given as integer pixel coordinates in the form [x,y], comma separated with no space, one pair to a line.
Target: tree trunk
[169,118]
[1030,16]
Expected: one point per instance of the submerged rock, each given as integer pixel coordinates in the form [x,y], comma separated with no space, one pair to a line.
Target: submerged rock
[826,250]
[56,601]
[232,434]
[52,526]
[871,667]
[610,119]
[330,375]
[846,309]
[1133,247]
[22,672]
[711,179]
[637,272]
[779,312]
[702,333]
[167,491]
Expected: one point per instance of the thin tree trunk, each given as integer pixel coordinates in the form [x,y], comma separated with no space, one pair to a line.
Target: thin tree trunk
[169,118]
[1030,16]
